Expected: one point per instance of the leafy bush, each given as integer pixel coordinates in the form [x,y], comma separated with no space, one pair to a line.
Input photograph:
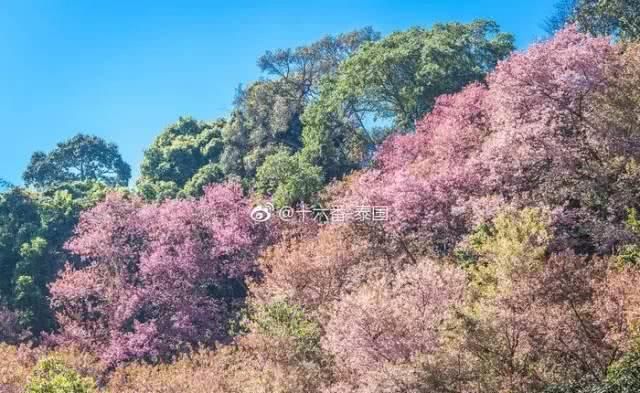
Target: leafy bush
[52,376]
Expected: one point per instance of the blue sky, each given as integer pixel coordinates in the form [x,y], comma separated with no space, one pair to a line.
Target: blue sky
[124,70]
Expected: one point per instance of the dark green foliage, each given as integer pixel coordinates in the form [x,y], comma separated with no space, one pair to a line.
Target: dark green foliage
[182,160]
[288,179]
[33,230]
[19,222]
[334,136]
[619,18]
[334,125]
[266,120]
[624,376]
[306,123]
[208,174]
[267,117]
[630,253]
[609,17]
[390,84]
[81,158]
[400,76]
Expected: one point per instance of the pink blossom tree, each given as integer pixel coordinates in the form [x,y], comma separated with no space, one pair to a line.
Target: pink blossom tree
[546,129]
[156,279]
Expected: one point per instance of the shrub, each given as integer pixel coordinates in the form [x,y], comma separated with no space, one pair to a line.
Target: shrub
[51,375]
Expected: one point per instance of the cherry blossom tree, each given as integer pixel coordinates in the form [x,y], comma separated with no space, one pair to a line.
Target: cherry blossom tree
[553,126]
[387,333]
[156,279]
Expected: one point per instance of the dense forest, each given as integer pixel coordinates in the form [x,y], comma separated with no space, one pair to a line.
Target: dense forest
[427,211]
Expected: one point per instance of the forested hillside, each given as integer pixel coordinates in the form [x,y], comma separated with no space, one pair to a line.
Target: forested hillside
[426,211]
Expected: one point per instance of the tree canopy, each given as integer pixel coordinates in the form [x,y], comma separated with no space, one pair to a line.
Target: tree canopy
[81,158]
[182,160]
[155,279]
[619,18]
[33,230]
[394,80]
[478,230]
[267,115]
[400,76]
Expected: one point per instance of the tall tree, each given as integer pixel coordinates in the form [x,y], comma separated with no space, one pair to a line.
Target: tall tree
[385,85]
[267,118]
[400,76]
[555,126]
[182,160]
[81,158]
[33,228]
[620,18]
[392,83]
[602,17]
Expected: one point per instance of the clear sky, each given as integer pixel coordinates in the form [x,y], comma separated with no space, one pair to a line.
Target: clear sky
[123,70]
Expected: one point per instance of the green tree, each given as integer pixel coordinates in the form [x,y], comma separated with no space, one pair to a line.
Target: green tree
[183,158]
[266,120]
[623,376]
[399,77]
[629,253]
[53,376]
[24,261]
[288,179]
[33,230]
[19,223]
[208,174]
[28,295]
[267,114]
[334,137]
[81,158]
[620,18]
[383,85]
[391,83]
[604,17]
